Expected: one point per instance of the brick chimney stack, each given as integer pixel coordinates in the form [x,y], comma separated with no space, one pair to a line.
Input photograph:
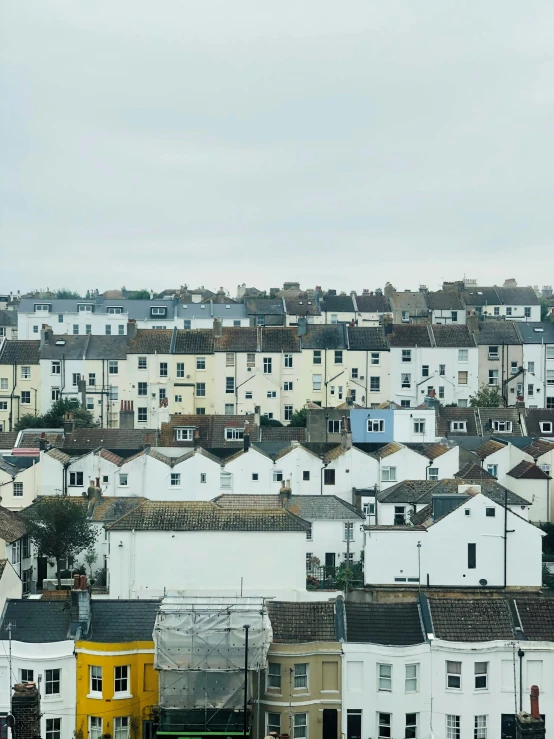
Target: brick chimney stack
[531,725]
[26,711]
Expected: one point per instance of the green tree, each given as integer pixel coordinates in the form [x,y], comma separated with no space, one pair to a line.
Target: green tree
[138,295]
[54,417]
[298,418]
[264,421]
[487,397]
[545,310]
[59,528]
[65,294]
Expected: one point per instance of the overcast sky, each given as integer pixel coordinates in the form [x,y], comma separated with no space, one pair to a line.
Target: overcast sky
[215,142]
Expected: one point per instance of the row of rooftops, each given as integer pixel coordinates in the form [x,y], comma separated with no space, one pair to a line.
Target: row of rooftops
[271,339]
[459,297]
[449,616]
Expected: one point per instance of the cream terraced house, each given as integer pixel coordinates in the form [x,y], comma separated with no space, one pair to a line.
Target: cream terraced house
[19,381]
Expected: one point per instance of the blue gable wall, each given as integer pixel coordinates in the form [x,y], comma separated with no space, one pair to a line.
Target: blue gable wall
[358,424]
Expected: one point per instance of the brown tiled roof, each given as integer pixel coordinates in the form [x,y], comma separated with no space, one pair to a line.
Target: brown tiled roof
[367,339]
[20,352]
[283,433]
[488,448]
[450,335]
[211,430]
[12,525]
[8,439]
[120,439]
[538,447]
[279,339]
[537,617]
[295,623]
[110,457]
[59,456]
[528,471]
[194,516]
[324,336]
[471,619]
[410,335]
[151,341]
[431,451]
[112,508]
[195,341]
[473,471]
[237,339]
[385,451]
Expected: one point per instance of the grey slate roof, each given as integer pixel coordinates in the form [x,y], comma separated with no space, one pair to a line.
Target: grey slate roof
[324,336]
[7,440]
[533,418]
[471,619]
[362,338]
[265,306]
[500,414]
[517,296]
[302,307]
[481,296]
[421,491]
[473,471]
[496,333]
[193,516]
[396,624]
[446,415]
[20,352]
[137,309]
[444,300]
[119,621]
[296,623]
[37,621]
[414,302]
[150,341]
[258,339]
[84,440]
[194,341]
[283,433]
[372,304]
[338,304]
[322,508]
[68,346]
[536,333]
[8,318]
[537,617]
[212,310]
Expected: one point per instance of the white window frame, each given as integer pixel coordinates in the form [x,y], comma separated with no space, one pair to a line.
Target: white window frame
[273,676]
[453,726]
[175,479]
[233,433]
[95,680]
[184,434]
[453,676]
[301,676]
[463,355]
[123,678]
[384,677]
[388,474]
[411,680]
[481,672]
[375,425]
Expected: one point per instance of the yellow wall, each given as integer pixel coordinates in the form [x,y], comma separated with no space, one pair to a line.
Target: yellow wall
[143,685]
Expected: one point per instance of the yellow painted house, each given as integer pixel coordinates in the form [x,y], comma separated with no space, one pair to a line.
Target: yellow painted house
[117,685]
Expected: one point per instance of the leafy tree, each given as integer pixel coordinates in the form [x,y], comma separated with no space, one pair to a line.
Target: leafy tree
[59,528]
[90,559]
[548,540]
[298,418]
[269,421]
[54,417]
[64,294]
[138,295]
[487,397]
[545,310]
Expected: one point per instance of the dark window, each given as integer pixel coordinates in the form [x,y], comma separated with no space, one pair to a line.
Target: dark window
[76,478]
[471,556]
[329,477]
[52,682]
[306,475]
[490,512]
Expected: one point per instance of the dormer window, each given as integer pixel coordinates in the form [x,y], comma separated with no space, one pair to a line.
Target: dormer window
[460,426]
[158,310]
[42,308]
[502,427]
[545,427]
[114,310]
[85,308]
[184,434]
[234,434]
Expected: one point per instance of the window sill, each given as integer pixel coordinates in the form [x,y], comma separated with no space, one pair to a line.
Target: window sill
[330,691]
[122,696]
[56,698]
[95,696]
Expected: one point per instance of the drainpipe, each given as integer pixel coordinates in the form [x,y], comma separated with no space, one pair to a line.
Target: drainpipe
[505,538]
[324,466]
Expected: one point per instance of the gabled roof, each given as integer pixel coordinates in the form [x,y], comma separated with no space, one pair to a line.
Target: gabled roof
[518,296]
[194,516]
[58,455]
[422,491]
[537,617]
[12,525]
[409,335]
[211,430]
[122,621]
[538,447]
[322,508]
[489,415]
[489,447]
[258,339]
[395,624]
[86,440]
[297,622]
[366,338]
[388,449]
[533,418]
[112,508]
[431,450]
[496,333]
[528,471]
[473,471]
[20,352]
[414,302]
[37,621]
[447,415]
[194,341]
[471,619]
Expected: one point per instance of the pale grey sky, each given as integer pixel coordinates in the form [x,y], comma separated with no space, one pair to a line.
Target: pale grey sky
[151,144]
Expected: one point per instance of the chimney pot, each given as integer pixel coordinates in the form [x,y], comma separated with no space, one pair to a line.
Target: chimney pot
[83,582]
[535,712]
[76,581]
